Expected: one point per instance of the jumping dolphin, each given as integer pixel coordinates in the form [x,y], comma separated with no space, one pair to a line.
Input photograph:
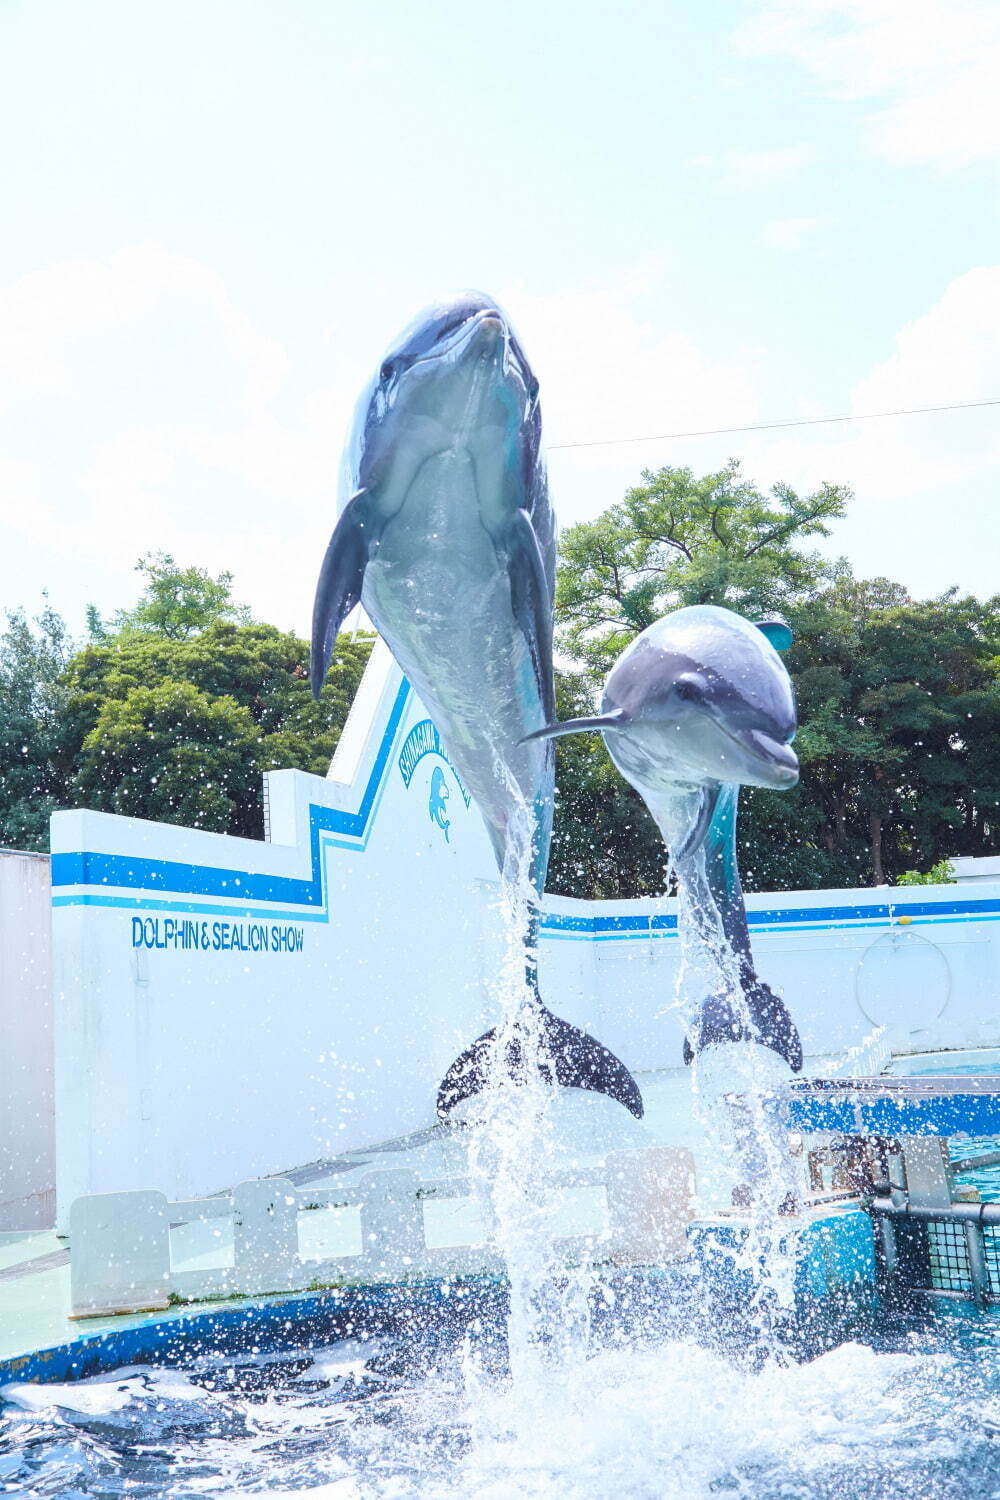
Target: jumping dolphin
[699,704]
[447,538]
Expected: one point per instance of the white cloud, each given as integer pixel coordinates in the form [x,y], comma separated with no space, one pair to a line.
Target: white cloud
[949,354]
[201,465]
[754,167]
[788,234]
[608,370]
[52,321]
[924,510]
[931,67]
[251,486]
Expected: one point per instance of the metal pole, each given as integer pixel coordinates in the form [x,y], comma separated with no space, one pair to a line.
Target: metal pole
[978,1271]
[978,1213]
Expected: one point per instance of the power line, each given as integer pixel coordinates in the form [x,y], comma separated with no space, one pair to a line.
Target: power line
[869,416]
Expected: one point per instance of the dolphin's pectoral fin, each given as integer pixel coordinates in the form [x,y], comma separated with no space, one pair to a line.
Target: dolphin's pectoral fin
[707,802]
[531,598]
[770,1025]
[567,1056]
[340,580]
[616,720]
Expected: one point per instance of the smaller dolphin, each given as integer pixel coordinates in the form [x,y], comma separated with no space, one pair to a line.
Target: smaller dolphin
[699,704]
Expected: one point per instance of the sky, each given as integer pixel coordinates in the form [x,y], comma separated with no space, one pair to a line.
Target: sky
[218,213]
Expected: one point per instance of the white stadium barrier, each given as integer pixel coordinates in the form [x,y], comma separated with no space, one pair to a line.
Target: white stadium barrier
[126,1256]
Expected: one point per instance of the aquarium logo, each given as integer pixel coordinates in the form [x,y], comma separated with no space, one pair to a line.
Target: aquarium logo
[423,739]
[437,803]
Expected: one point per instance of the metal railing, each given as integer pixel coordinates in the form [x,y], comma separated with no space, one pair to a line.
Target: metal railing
[890,1136]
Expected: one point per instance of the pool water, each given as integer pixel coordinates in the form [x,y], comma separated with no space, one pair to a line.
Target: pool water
[982,1063]
[908,1409]
[914,1412]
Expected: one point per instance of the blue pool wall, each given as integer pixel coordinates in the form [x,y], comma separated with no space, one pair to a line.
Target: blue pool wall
[835,1293]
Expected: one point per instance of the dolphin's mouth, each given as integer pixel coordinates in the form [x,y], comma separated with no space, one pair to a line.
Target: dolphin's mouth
[454,343]
[776,755]
[462,334]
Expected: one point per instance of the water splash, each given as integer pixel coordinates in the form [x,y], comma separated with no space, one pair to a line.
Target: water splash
[737,1097]
[511,1155]
[672,1422]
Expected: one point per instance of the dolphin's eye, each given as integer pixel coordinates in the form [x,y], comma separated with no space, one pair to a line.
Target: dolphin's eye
[690,688]
[388,371]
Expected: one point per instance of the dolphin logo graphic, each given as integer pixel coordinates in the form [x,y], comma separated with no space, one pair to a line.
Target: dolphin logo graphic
[437,804]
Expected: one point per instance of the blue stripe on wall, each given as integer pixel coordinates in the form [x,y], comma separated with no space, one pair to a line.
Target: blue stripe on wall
[636,924]
[132,873]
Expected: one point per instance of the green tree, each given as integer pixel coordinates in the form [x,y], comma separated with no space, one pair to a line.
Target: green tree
[940,874]
[604,842]
[175,755]
[898,700]
[898,708]
[32,701]
[176,602]
[254,674]
[171,711]
[676,540]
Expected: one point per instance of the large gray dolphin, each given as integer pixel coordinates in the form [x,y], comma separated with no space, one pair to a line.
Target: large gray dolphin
[699,704]
[447,538]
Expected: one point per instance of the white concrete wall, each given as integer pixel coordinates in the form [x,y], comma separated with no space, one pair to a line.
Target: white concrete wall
[923,962]
[188,1067]
[969,869]
[27,1121]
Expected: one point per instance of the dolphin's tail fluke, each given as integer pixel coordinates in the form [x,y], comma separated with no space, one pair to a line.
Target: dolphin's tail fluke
[566,1055]
[770,1025]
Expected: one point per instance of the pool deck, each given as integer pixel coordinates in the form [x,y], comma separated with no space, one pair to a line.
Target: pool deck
[35,1267]
[39,1341]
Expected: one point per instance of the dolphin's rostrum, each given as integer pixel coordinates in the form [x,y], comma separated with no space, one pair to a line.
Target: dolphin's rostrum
[447,538]
[699,704]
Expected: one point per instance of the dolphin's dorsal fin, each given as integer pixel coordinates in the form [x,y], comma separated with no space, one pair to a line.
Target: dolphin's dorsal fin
[777,630]
[707,802]
[615,720]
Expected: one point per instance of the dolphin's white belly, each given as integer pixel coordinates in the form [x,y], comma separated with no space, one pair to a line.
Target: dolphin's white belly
[440,597]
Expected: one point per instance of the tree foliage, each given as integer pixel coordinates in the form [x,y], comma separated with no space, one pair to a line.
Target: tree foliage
[32,699]
[676,540]
[228,686]
[898,700]
[176,602]
[604,842]
[171,712]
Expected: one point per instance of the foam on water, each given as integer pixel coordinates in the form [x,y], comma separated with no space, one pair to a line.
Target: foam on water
[636,1423]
